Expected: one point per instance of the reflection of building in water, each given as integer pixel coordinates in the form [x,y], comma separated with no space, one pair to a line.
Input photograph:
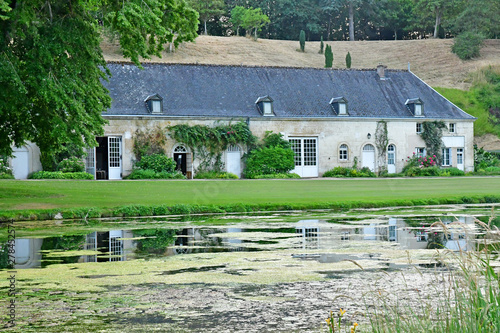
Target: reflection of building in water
[111,244]
[318,234]
[28,252]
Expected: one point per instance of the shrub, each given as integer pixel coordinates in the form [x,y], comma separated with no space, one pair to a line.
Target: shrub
[328,57]
[467,45]
[60,175]
[321,46]
[157,162]
[269,160]
[453,172]
[349,172]
[5,170]
[152,174]
[215,175]
[277,176]
[71,164]
[302,40]
[348,60]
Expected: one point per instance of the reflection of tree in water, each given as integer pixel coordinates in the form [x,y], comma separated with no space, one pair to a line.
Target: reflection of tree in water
[66,243]
[157,242]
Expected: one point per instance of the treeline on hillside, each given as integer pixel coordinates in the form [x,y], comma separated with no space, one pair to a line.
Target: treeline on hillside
[356,19]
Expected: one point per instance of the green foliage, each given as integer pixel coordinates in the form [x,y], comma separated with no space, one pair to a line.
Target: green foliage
[432,132]
[321,46]
[302,40]
[486,89]
[340,172]
[207,10]
[60,175]
[328,56]
[269,160]
[52,68]
[71,164]
[157,241]
[215,175]
[157,162]
[149,142]
[152,174]
[484,159]
[237,14]
[278,176]
[254,19]
[5,170]
[208,143]
[467,45]
[348,60]
[275,140]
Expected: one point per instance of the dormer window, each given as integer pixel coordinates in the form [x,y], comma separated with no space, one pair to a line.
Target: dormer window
[154,104]
[265,105]
[416,106]
[339,106]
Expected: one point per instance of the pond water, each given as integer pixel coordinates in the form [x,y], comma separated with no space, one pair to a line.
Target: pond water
[275,271]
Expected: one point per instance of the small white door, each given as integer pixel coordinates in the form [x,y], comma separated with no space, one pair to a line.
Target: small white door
[391,159]
[368,157]
[306,156]
[460,159]
[20,163]
[115,157]
[233,160]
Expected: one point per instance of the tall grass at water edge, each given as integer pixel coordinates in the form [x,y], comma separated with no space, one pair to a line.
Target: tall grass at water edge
[469,292]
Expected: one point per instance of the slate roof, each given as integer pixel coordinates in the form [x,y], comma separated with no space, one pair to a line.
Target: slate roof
[231,91]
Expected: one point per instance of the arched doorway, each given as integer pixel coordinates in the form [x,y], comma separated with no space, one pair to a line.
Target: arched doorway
[233,160]
[180,157]
[368,157]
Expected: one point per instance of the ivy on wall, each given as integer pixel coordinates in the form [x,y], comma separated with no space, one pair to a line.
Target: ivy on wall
[381,141]
[208,143]
[149,142]
[432,133]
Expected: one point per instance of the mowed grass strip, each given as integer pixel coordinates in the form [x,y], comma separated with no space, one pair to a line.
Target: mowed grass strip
[16,195]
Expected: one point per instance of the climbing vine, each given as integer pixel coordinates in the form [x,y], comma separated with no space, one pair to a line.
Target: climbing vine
[149,142]
[432,132]
[208,143]
[381,141]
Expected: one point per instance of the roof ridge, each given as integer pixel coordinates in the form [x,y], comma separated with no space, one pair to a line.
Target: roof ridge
[126,62]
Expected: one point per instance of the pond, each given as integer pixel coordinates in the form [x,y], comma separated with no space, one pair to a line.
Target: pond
[276,271]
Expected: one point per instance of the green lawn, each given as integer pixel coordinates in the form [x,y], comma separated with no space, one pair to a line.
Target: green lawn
[106,194]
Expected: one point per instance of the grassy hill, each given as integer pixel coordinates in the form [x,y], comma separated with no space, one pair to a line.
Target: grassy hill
[430,59]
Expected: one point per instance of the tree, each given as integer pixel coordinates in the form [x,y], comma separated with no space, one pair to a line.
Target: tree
[439,10]
[328,56]
[237,18]
[207,9]
[254,19]
[52,67]
[302,40]
[481,17]
[395,14]
[321,46]
[348,60]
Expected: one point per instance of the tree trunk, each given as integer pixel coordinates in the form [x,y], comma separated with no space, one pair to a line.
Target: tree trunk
[205,27]
[395,34]
[351,21]
[238,31]
[255,33]
[438,22]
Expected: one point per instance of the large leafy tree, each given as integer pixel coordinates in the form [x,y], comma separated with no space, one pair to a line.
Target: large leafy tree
[52,67]
[439,10]
[395,15]
[207,9]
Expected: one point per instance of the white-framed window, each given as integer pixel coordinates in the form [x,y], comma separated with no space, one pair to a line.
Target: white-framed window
[342,109]
[446,157]
[268,110]
[418,128]
[156,106]
[460,156]
[418,110]
[392,233]
[421,236]
[420,152]
[451,127]
[343,152]
[391,154]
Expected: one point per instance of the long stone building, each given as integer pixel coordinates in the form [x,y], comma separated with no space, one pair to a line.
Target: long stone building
[329,115]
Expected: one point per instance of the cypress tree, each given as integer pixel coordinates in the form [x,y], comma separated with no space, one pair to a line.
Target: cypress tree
[348,60]
[321,46]
[328,56]
[302,40]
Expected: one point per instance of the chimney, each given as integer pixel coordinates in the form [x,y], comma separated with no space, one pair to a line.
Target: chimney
[381,71]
